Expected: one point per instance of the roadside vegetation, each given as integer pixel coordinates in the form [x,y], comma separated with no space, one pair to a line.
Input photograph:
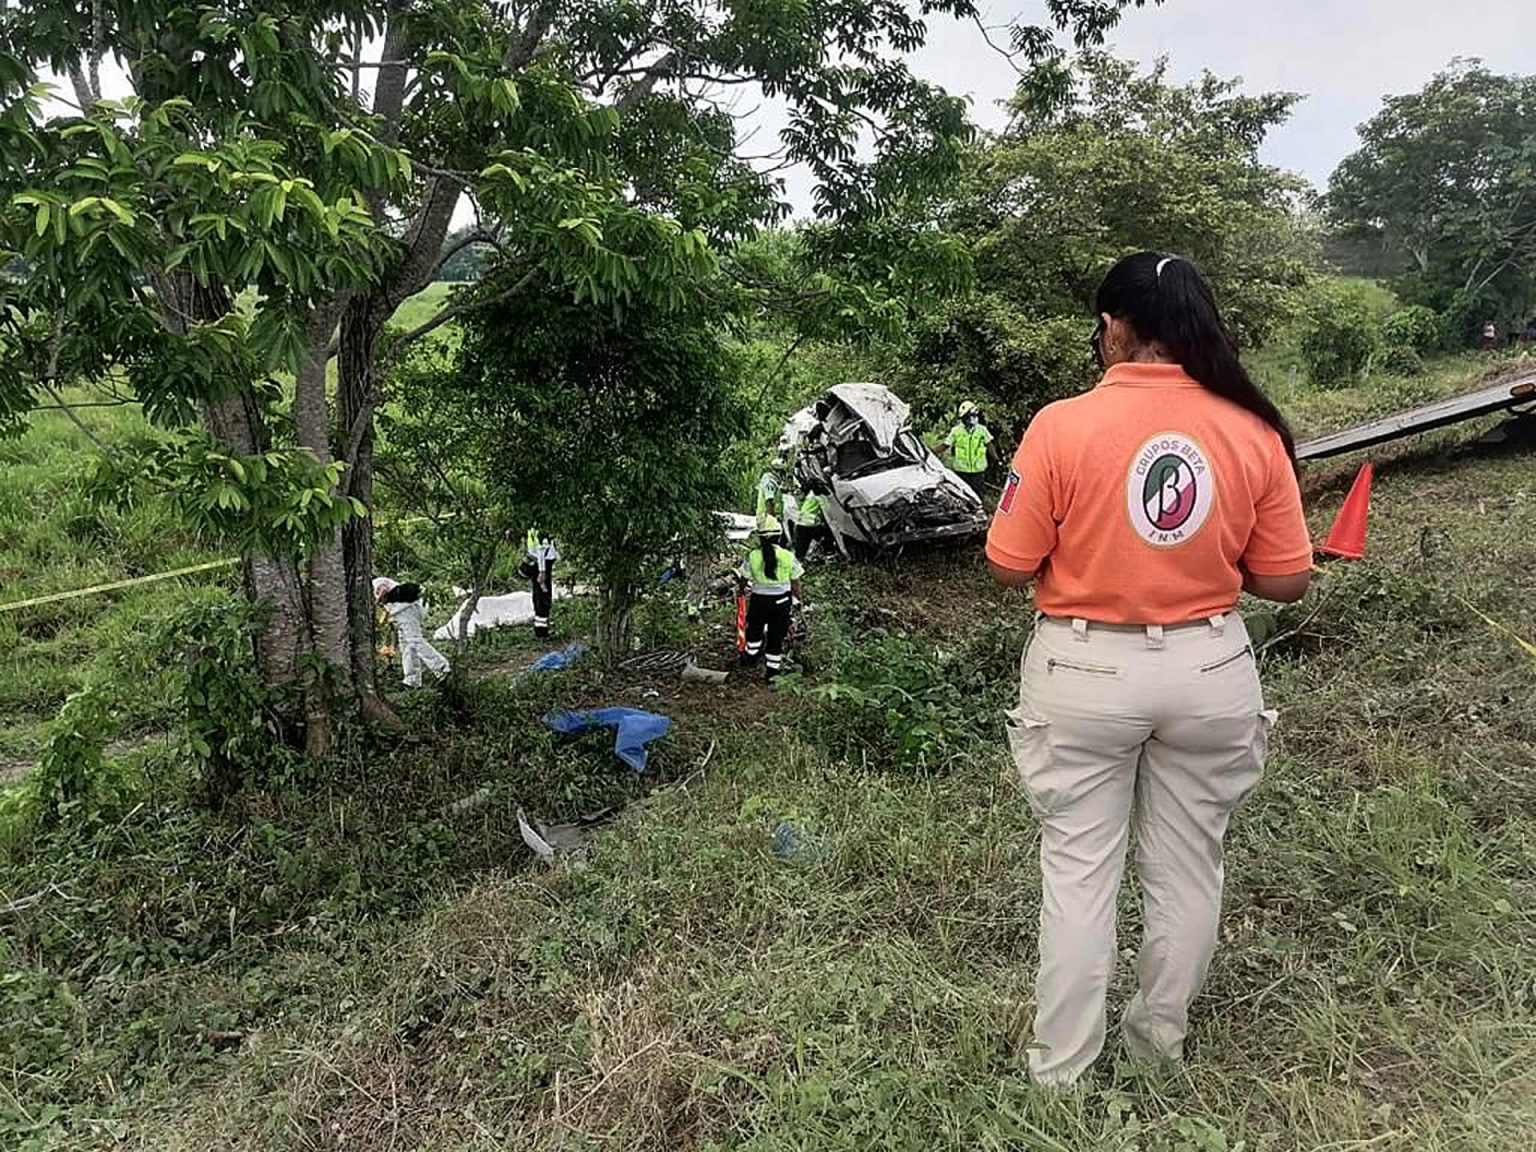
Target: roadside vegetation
[255,896]
[357,961]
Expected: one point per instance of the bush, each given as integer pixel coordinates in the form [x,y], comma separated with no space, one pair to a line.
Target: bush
[893,702]
[1402,360]
[1339,335]
[1414,328]
[982,347]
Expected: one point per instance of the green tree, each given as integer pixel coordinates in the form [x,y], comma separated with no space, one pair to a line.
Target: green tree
[1339,334]
[1444,185]
[610,426]
[285,174]
[1101,159]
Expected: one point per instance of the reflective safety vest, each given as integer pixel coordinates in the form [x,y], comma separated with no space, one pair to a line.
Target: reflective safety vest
[970,445]
[810,510]
[767,495]
[785,570]
[532,544]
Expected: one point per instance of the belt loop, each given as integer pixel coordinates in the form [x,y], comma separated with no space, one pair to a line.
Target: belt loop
[1154,636]
[1080,630]
[1219,624]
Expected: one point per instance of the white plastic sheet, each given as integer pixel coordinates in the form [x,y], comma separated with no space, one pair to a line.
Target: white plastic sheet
[498,612]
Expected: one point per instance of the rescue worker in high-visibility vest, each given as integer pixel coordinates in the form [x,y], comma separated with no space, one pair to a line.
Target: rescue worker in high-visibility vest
[771,574]
[540,569]
[969,446]
[810,523]
[770,487]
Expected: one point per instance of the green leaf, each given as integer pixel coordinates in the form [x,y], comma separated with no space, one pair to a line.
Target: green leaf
[44,213]
[117,210]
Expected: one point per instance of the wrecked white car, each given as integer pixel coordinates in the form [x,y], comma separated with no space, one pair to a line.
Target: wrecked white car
[880,484]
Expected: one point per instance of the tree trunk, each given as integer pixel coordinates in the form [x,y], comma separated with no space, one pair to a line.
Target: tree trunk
[358,372]
[328,628]
[615,621]
[271,583]
[355,397]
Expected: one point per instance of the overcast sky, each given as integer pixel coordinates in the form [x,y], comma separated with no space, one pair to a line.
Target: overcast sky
[1343,55]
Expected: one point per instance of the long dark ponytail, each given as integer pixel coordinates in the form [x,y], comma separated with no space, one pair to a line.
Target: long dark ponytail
[1168,302]
[770,556]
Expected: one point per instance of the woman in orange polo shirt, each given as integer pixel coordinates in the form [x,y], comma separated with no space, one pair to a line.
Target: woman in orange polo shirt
[1139,511]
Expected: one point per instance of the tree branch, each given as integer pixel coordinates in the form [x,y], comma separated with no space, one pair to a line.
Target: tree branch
[455,311]
[85,97]
[449,251]
[389,94]
[63,406]
[643,87]
[522,50]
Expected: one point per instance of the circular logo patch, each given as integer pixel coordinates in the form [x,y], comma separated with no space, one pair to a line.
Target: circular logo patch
[1169,490]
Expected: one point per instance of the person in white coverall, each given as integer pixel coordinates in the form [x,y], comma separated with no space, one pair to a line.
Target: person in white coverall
[402,603]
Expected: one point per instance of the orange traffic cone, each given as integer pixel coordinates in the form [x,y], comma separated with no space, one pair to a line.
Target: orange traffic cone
[741,623]
[1346,539]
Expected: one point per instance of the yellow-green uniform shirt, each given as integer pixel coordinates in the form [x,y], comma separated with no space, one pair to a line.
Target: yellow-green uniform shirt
[969,446]
[786,569]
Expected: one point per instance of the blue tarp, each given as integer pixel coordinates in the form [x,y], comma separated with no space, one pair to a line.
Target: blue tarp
[551,661]
[634,729]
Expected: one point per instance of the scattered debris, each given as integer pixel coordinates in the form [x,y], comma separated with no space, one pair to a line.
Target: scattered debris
[552,841]
[633,729]
[476,799]
[498,612]
[793,843]
[662,662]
[564,658]
[693,674]
[1504,396]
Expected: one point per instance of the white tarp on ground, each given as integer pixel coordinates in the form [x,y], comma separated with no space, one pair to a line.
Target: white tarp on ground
[499,612]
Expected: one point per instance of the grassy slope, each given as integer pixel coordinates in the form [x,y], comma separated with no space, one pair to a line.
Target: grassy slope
[53,540]
[691,989]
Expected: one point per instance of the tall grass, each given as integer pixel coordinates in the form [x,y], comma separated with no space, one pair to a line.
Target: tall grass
[366,964]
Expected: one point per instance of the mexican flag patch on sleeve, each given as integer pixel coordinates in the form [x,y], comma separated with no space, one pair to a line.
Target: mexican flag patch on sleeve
[1010,491]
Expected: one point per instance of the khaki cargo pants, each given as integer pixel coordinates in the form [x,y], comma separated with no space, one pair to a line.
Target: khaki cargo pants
[1163,727]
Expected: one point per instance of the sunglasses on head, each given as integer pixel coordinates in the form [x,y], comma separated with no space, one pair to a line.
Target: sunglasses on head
[1096,342]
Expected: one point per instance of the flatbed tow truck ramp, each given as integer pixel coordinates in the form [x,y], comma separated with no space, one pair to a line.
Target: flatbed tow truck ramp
[1517,394]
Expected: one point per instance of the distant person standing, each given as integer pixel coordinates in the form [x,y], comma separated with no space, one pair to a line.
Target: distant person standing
[1490,338]
[402,604]
[969,446]
[810,523]
[771,574]
[539,566]
[1139,511]
[770,487]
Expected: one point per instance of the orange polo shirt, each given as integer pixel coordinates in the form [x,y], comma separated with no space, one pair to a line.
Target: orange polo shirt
[1142,501]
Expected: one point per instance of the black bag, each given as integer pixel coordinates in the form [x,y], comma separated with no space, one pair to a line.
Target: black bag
[402,594]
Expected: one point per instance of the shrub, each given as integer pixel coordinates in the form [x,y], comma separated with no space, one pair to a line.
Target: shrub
[1415,328]
[1339,335]
[984,348]
[893,702]
[1402,360]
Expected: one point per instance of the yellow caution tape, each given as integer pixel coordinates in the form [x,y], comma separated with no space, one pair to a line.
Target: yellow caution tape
[115,585]
[1530,649]
[158,576]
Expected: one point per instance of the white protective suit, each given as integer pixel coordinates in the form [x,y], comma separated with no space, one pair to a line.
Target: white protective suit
[416,650]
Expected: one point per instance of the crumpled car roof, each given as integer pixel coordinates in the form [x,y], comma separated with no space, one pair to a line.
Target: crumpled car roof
[882,411]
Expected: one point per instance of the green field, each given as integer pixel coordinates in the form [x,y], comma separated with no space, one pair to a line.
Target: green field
[362,965]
